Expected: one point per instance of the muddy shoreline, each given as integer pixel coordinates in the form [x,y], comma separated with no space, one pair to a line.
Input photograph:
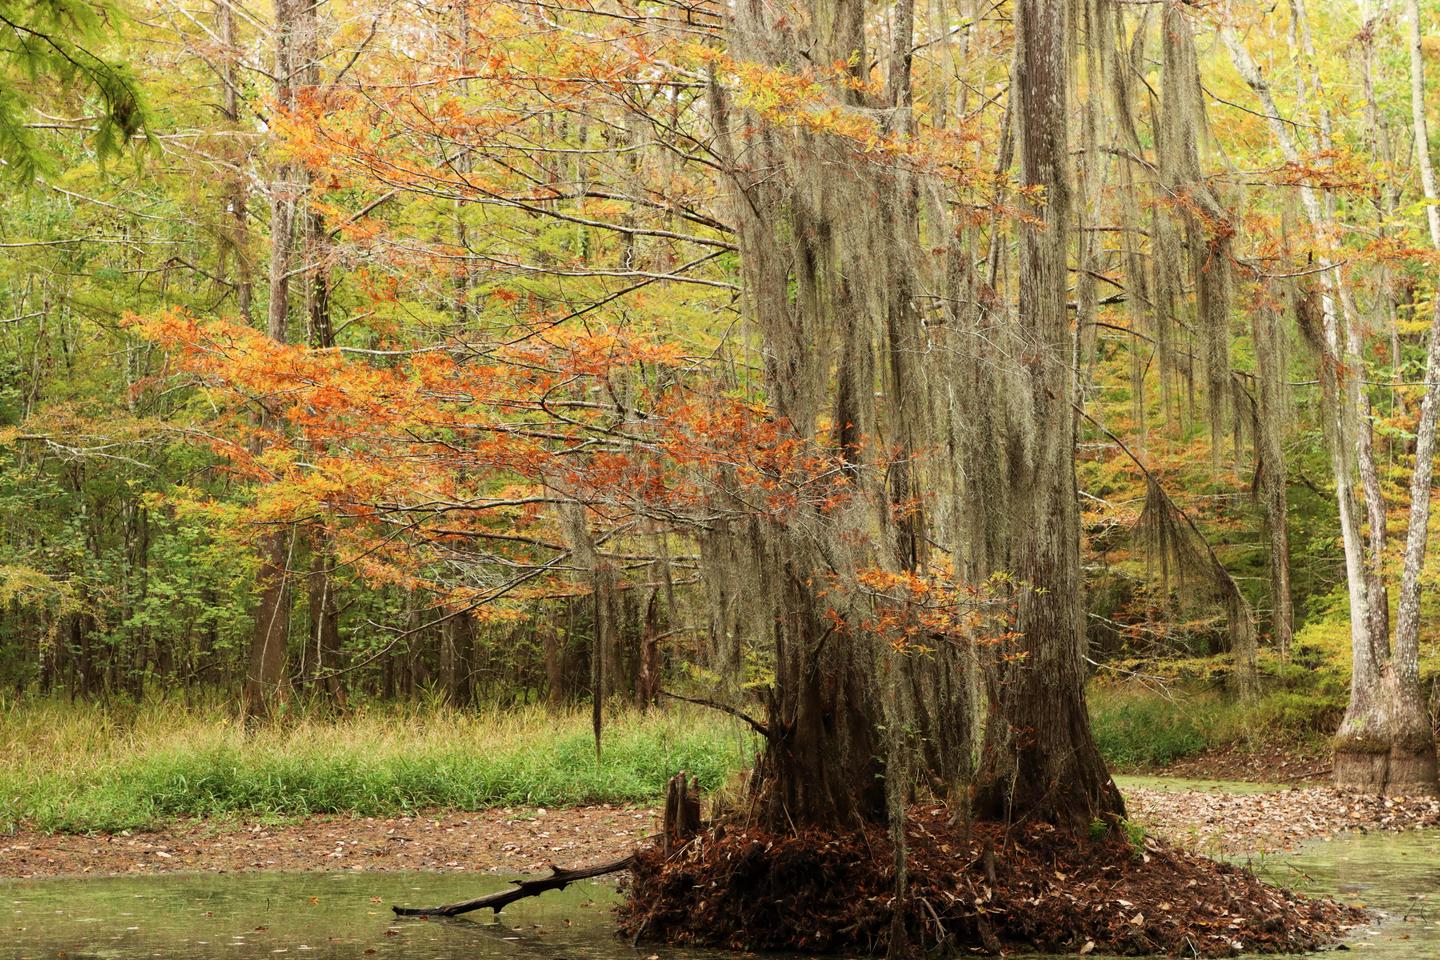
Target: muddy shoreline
[511,840]
[517,840]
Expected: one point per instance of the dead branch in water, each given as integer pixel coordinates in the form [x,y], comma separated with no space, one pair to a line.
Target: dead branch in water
[681,822]
[559,879]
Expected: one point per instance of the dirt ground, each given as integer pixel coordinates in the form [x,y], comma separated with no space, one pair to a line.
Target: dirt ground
[511,840]
[526,840]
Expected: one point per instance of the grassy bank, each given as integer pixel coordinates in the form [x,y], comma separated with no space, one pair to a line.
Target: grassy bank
[1163,711]
[1144,727]
[1149,713]
[77,768]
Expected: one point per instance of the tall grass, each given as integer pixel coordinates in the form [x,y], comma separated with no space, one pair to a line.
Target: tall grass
[84,768]
[1140,728]
[77,768]
[1137,729]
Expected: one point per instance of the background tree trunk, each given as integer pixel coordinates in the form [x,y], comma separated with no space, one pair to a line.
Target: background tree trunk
[324,636]
[1411,766]
[294,31]
[1040,759]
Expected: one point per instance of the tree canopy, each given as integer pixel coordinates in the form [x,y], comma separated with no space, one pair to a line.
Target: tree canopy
[48,45]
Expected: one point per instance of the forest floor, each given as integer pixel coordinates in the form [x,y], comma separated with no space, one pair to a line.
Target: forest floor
[1285,763]
[517,840]
[1221,822]
[510,840]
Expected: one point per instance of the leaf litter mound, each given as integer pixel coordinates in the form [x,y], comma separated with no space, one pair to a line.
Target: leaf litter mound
[985,889]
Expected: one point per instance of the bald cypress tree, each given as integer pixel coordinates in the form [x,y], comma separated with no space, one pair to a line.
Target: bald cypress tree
[1040,757]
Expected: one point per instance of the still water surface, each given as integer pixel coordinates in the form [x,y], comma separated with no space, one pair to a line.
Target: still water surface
[296,916]
[333,916]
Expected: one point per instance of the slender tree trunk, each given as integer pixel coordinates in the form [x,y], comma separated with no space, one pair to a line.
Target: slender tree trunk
[236,197]
[647,687]
[1040,758]
[551,646]
[1412,766]
[265,675]
[85,674]
[457,647]
[1387,194]
[1370,724]
[324,637]
[294,33]
[324,609]
[1384,743]
[256,690]
[1269,378]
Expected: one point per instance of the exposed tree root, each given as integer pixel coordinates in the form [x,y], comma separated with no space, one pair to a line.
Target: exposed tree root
[985,889]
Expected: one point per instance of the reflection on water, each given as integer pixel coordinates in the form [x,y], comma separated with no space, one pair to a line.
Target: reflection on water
[332,916]
[310,916]
[1397,874]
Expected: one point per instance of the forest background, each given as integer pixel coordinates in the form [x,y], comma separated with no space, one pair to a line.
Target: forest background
[383,377]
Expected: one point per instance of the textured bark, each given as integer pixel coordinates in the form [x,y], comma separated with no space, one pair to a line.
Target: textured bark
[822,765]
[1357,407]
[828,242]
[1411,766]
[1040,759]
[1386,742]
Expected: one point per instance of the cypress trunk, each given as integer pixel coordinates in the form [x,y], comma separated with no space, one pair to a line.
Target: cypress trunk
[1040,759]
[822,765]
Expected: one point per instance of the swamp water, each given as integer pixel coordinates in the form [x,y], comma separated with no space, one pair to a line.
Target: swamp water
[296,916]
[331,916]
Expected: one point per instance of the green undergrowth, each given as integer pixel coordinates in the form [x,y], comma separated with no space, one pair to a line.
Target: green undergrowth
[1147,714]
[1142,728]
[76,768]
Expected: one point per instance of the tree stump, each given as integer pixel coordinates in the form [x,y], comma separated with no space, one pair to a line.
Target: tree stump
[682,812]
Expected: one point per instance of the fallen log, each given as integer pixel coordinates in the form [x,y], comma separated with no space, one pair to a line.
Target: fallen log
[558,879]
